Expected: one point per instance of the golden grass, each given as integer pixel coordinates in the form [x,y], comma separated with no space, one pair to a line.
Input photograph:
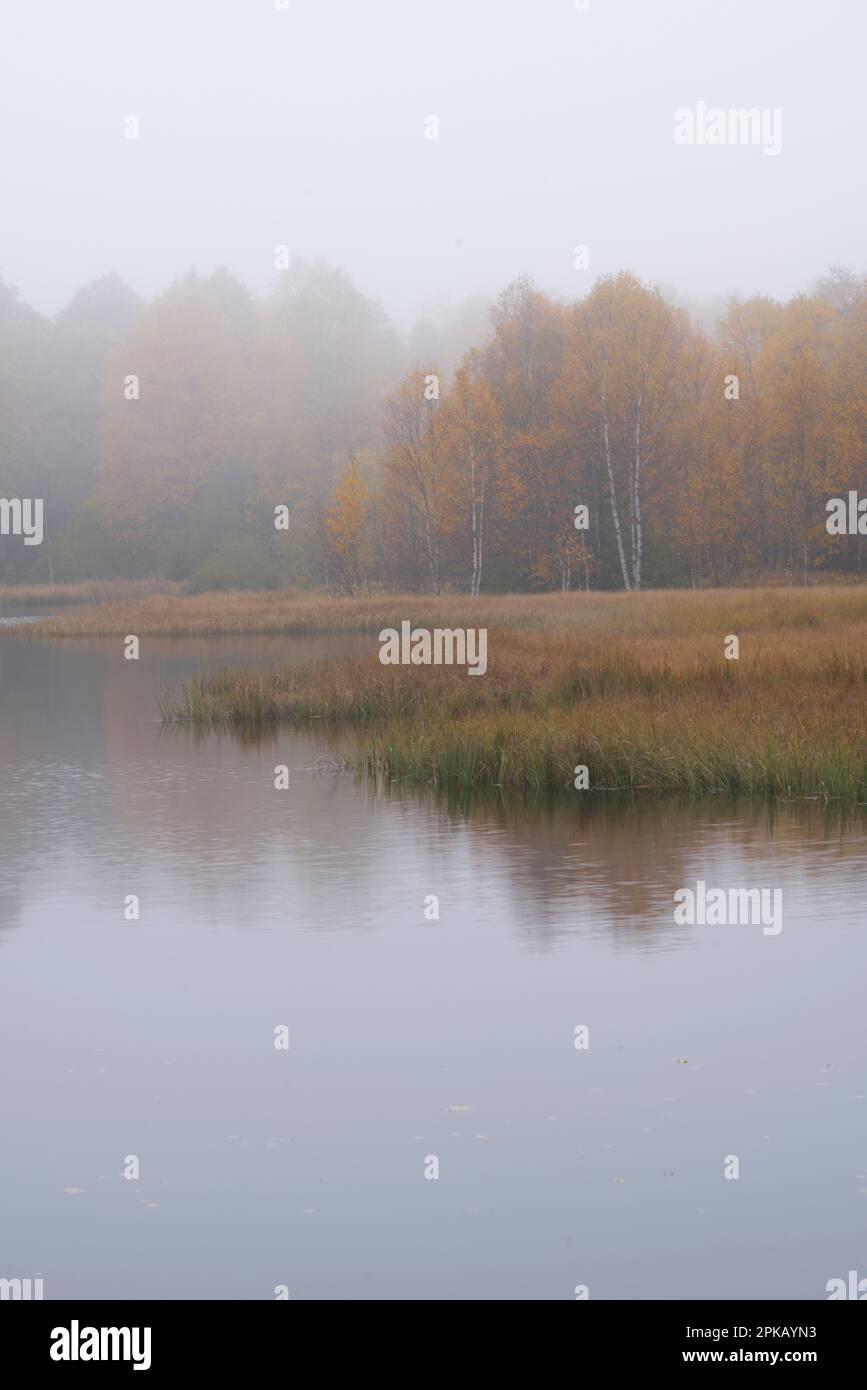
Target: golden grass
[661,613]
[635,687]
[89,591]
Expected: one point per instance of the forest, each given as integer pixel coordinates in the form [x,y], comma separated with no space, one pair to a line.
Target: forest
[619,441]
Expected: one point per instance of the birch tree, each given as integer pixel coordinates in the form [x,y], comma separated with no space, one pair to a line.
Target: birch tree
[413,480]
[472,440]
[631,341]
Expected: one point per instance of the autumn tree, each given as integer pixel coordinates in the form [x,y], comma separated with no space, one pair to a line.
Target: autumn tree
[704,489]
[177,402]
[740,340]
[847,404]
[413,477]
[472,441]
[631,340]
[345,523]
[797,366]
[522,365]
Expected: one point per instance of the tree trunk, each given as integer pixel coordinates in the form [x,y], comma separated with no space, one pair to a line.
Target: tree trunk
[636,499]
[481,535]
[615,515]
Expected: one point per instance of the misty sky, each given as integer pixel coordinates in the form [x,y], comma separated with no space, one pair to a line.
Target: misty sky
[306,126]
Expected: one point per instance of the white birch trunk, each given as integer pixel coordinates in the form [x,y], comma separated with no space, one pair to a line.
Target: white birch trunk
[614,512]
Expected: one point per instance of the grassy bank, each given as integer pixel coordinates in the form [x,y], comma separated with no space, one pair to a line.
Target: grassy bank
[660,613]
[97,591]
[633,686]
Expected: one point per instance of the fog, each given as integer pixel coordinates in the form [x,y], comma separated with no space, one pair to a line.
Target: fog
[433,625]
[306,127]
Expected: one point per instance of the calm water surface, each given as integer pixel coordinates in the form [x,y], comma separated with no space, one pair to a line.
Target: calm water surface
[306,908]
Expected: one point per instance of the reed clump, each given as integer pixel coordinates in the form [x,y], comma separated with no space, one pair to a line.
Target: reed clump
[662,711]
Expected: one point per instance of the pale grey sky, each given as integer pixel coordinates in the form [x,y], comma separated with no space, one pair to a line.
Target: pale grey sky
[306,126]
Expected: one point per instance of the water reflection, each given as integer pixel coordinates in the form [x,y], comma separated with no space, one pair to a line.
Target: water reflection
[307,907]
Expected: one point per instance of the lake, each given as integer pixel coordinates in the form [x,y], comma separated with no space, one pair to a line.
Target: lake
[410,1038]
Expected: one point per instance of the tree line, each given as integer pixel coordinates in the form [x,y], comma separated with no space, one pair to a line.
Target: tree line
[610,442]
